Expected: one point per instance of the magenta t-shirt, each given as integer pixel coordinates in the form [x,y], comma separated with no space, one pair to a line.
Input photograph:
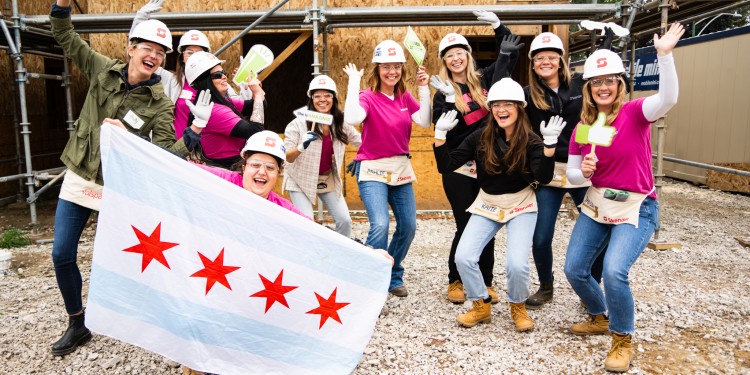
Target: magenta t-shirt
[215,138]
[236,178]
[386,129]
[326,155]
[181,110]
[626,164]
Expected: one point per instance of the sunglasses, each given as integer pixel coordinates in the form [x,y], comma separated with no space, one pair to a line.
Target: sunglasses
[218,74]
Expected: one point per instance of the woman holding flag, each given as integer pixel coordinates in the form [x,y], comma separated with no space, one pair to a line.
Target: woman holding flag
[620,210]
[315,155]
[384,174]
[459,75]
[510,161]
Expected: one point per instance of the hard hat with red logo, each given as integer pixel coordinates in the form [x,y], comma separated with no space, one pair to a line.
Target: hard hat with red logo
[602,62]
[452,40]
[546,42]
[198,63]
[194,38]
[321,82]
[153,31]
[506,89]
[266,142]
[388,51]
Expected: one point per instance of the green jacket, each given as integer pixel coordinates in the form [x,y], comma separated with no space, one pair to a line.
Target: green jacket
[108,96]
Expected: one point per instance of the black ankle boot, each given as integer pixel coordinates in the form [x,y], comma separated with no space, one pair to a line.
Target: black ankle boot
[542,296]
[76,334]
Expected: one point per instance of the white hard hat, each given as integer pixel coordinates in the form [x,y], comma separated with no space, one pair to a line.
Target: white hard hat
[546,41]
[194,38]
[153,31]
[506,89]
[321,82]
[198,63]
[266,142]
[388,51]
[602,62]
[452,40]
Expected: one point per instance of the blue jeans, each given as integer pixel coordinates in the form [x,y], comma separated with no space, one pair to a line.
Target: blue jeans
[70,220]
[336,205]
[376,197]
[549,199]
[624,243]
[481,230]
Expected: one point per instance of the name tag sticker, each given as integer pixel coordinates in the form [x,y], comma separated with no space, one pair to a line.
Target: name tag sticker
[133,120]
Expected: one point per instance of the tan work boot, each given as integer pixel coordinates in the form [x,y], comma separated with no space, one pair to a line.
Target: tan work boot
[596,325]
[621,353]
[542,296]
[493,294]
[520,317]
[188,371]
[456,292]
[481,312]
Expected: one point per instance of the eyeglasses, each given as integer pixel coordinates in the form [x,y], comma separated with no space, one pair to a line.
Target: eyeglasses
[151,51]
[270,167]
[609,81]
[503,105]
[457,54]
[327,95]
[541,59]
[219,74]
[388,68]
[189,52]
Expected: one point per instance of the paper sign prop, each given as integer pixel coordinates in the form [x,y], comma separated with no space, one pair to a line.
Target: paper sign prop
[594,25]
[414,46]
[597,133]
[312,116]
[258,58]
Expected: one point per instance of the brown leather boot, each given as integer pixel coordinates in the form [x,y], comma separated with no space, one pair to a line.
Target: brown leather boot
[456,292]
[520,317]
[542,296]
[481,312]
[596,325]
[492,292]
[621,353]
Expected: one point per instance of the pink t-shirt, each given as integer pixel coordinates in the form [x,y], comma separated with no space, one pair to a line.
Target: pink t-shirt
[626,164]
[215,138]
[326,155]
[386,129]
[236,178]
[181,110]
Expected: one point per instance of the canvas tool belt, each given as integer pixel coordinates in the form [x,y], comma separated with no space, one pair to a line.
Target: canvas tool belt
[469,169]
[610,211]
[80,191]
[560,179]
[326,183]
[502,208]
[394,171]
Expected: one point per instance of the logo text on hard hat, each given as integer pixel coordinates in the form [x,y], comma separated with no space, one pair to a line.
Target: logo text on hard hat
[194,37]
[451,38]
[161,33]
[322,81]
[270,142]
[391,51]
[546,39]
[601,62]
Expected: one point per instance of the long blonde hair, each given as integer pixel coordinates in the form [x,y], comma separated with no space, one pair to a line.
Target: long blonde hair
[515,158]
[536,91]
[590,111]
[473,81]
[373,79]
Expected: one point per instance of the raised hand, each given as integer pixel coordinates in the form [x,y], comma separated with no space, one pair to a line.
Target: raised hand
[445,123]
[488,17]
[202,108]
[668,41]
[351,70]
[152,6]
[511,43]
[444,87]
[552,130]
[422,76]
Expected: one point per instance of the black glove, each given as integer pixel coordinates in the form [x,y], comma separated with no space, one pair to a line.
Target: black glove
[350,167]
[609,35]
[511,43]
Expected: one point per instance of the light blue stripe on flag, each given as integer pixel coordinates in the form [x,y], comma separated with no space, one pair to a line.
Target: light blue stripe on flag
[196,322]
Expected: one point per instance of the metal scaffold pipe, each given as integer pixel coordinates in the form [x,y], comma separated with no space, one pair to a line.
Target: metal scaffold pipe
[252,26]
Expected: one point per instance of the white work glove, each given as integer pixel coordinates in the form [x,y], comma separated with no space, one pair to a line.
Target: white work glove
[202,108]
[354,75]
[489,17]
[245,92]
[552,131]
[152,6]
[445,87]
[306,140]
[445,123]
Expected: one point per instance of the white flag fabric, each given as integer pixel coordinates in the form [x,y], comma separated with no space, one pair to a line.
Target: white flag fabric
[203,272]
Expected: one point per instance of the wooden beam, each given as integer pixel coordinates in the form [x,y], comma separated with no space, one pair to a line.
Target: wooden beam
[285,54]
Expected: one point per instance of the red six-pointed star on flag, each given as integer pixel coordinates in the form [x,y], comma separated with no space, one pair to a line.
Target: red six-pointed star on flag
[215,271]
[274,291]
[151,247]
[328,308]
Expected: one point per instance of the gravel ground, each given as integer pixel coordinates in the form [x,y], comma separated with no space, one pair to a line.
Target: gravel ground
[692,308]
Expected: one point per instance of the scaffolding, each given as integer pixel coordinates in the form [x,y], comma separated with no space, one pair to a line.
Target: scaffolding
[30,35]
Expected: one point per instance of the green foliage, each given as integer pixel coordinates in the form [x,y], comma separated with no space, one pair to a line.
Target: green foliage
[13,238]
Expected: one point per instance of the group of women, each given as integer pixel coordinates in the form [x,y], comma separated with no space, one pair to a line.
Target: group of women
[507,156]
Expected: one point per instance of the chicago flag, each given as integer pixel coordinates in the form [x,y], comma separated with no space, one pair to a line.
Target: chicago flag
[203,272]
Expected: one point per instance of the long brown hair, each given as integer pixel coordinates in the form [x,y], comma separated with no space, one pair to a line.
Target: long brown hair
[536,91]
[515,158]
[473,81]
[337,127]
[590,110]
[373,79]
